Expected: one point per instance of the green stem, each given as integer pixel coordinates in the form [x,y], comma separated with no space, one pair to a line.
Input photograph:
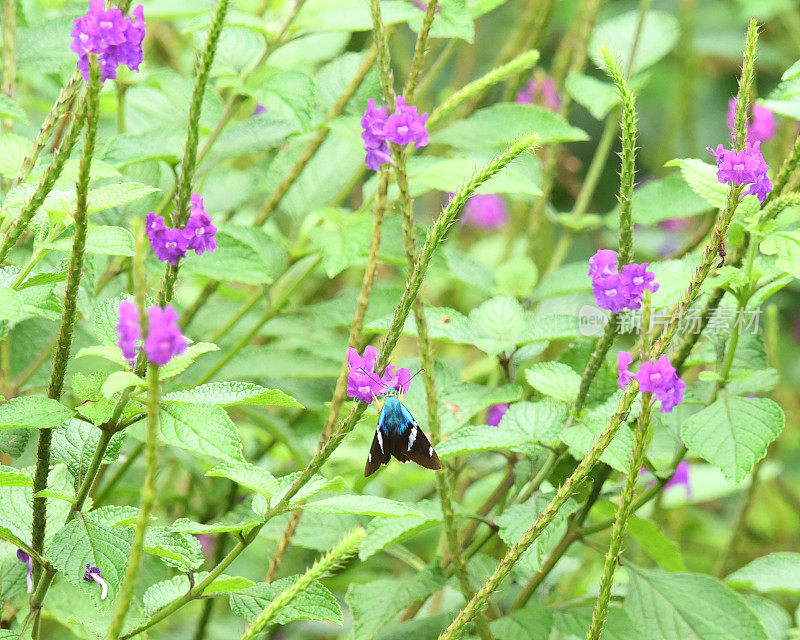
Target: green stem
[64,344]
[624,510]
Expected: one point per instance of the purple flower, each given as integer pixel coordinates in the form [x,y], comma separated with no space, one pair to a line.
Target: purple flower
[206,541]
[679,477]
[260,108]
[485,211]
[394,378]
[164,338]
[423,6]
[168,244]
[372,124]
[624,360]
[658,378]
[617,291]
[199,232]
[405,125]
[128,330]
[92,574]
[23,556]
[760,128]
[362,381]
[495,413]
[540,91]
[111,36]
[743,167]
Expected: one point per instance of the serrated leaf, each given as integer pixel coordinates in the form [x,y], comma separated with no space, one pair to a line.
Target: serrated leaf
[180,363]
[10,109]
[532,622]
[226,394]
[498,323]
[74,444]
[573,622]
[120,380]
[314,603]
[554,379]
[518,518]
[116,195]
[33,412]
[472,439]
[101,240]
[503,123]
[247,475]
[10,477]
[544,419]
[84,541]
[286,93]
[176,549]
[460,401]
[777,572]
[315,485]
[204,429]
[687,606]
[11,305]
[159,595]
[785,245]
[13,150]
[107,352]
[383,532]
[733,433]
[184,525]
[361,505]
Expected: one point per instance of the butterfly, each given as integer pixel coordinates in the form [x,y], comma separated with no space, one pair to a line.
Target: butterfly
[399,435]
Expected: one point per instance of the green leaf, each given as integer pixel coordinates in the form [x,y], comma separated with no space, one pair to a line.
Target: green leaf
[101,240]
[226,394]
[184,525]
[178,364]
[598,96]
[314,603]
[777,572]
[384,532]
[316,485]
[785,245]
[116,195]
[518,518]
[453,21]
[472,439]
[342,238]
[120,380]
[532,622]
[377,603]
[74,444]
[361,505]
[733,433]
[702,178]
[108,352]
[85,541]
[33,412]
[11,305]
[554,379]
[204,429]
[247,475]
[573,622]
[10,109]
[13,150]
[10,477]
[159,595]
[498,322]
[176,549]
[517,277]
[244,255]
[687,606]
[544,419]
[659,30]
[774,618]
[503,123]
[785,98]
[285,93]
[460,401]
[447,174]
[663,199]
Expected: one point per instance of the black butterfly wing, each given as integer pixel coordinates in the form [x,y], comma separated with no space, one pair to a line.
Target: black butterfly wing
[399,435]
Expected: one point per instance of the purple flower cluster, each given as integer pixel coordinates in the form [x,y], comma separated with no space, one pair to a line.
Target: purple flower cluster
[658,378]
[362,381]
[679,478]
[760,128]
[23,556]
[111,36]
[744,167]
[485,211]
[616,291]
[92,574]
[542,91]
[170,245]
[402,127]
[495,413]
[164,338]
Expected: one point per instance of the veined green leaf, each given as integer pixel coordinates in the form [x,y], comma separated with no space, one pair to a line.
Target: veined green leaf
[362,505]
[33,412]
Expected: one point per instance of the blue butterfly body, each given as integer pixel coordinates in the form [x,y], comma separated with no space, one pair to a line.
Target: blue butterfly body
[399,435]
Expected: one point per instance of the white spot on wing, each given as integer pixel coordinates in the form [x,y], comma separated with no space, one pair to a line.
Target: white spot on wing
[411,437]
[430,452]
[369,457]
[380,440]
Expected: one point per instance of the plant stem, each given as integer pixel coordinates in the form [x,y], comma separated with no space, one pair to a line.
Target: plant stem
[64,344]
[9,26]
[624,509]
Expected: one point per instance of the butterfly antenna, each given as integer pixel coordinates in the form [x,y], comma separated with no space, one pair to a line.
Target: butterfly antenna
[415,375]
[378,380]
